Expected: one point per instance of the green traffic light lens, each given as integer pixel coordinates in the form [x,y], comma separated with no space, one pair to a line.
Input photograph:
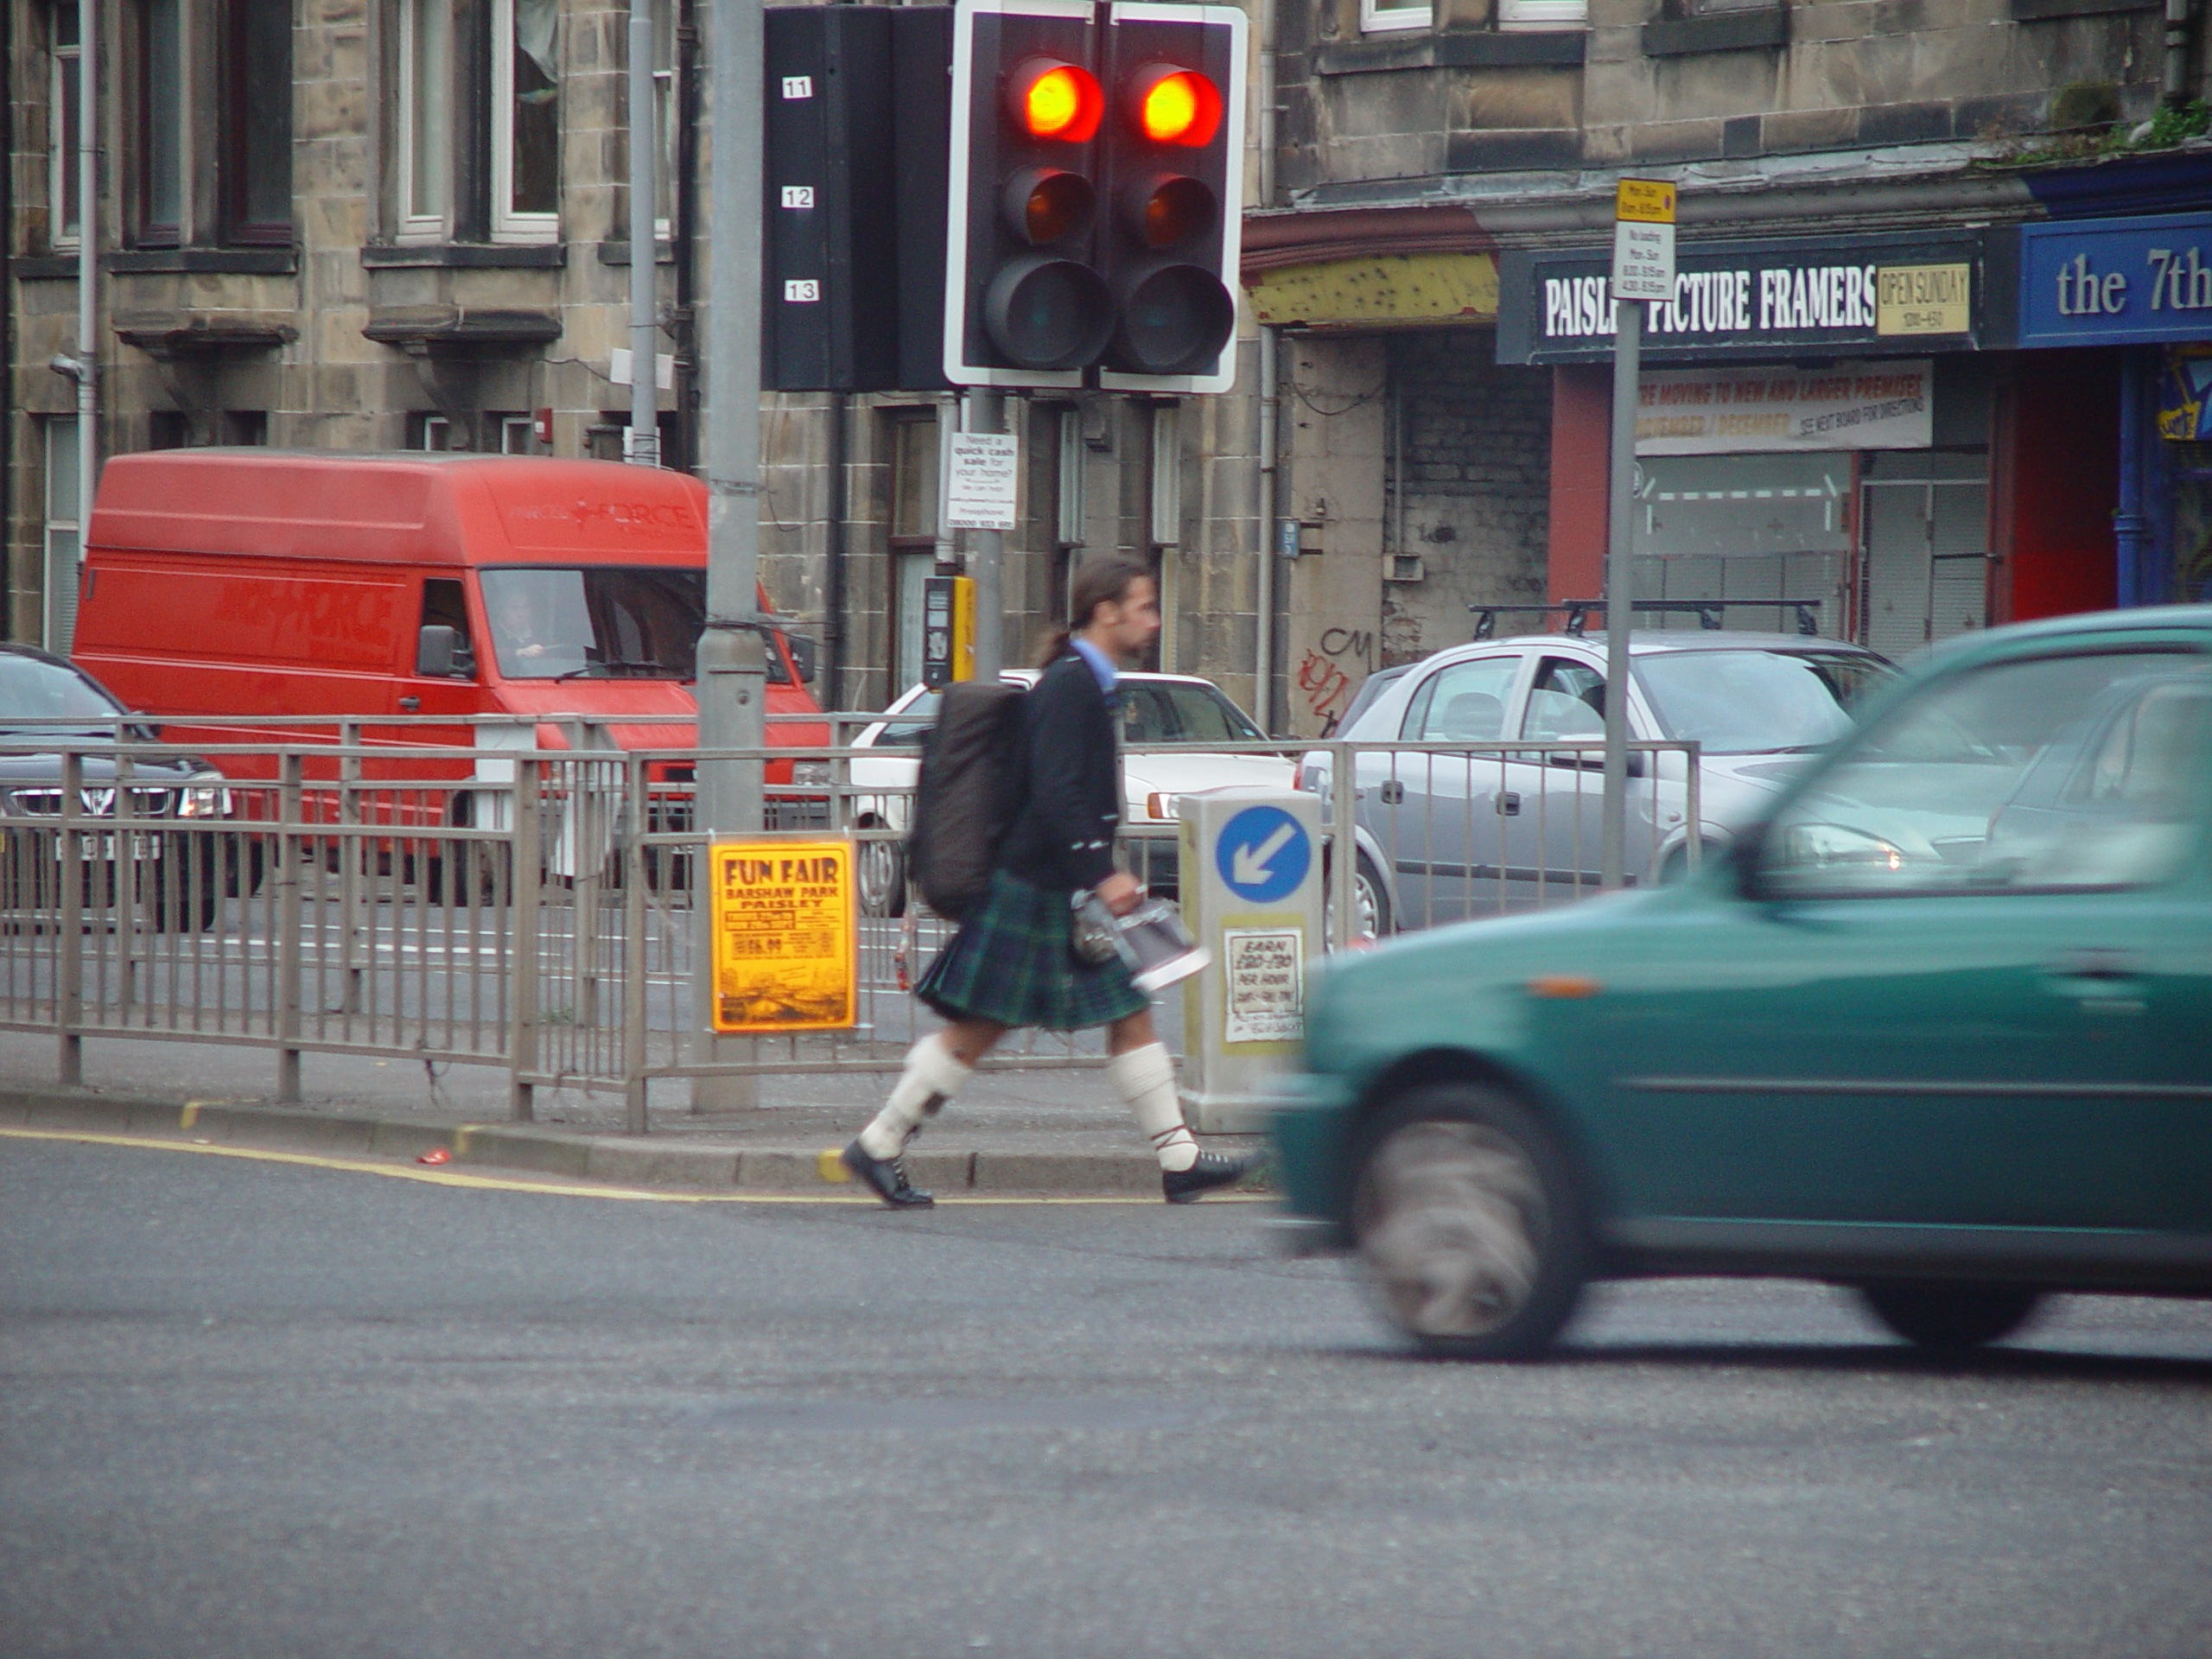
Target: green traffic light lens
[1047,313]
[1175,318]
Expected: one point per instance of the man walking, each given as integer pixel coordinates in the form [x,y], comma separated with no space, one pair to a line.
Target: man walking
[1012,963]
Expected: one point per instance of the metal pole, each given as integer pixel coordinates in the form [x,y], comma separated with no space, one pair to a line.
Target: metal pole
[987,550]
[2131,525]
[1620,502]
[644,320]
[88,270]
[733,661]
[1263,654]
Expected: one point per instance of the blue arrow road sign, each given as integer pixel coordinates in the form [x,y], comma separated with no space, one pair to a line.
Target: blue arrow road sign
[1264,853]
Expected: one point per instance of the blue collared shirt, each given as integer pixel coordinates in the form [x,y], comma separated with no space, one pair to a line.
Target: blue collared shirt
[1101,665]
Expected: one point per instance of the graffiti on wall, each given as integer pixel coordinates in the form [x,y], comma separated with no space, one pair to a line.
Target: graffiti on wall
[1326,676]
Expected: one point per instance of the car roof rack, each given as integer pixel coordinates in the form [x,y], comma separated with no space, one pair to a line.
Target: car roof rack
[1708,612]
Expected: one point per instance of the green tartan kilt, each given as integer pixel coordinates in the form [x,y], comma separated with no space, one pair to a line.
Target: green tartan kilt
[1011,963]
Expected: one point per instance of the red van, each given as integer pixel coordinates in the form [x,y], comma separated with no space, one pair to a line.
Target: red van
[269,583]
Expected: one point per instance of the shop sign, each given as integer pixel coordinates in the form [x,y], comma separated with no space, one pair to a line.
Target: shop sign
[2117,281]
[1886,404]
[1753,300]
[785,941]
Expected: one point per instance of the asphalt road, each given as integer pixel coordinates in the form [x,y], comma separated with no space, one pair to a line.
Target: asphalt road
[255,1408]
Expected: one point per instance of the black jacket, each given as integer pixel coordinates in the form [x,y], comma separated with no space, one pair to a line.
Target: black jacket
[1063,835]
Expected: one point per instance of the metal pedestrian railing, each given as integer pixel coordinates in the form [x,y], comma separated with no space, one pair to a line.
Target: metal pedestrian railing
[369,892]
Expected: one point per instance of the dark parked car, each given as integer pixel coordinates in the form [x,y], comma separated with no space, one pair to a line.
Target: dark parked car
[131,866]
[1937,1026]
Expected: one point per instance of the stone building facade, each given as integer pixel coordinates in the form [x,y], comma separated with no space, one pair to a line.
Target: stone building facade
[438,257]
[378,224]
[1447,171]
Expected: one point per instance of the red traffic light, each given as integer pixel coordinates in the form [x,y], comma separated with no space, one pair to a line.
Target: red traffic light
[1051,99]
[1173,105]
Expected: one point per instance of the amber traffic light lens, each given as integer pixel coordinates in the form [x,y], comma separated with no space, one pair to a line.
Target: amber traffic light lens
[1057,100]
[1177,106]
[1169,209]
[1044,204]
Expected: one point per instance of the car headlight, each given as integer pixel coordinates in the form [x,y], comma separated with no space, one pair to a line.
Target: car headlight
[1163,806]
[810,772]
[203,801]
[1826,846]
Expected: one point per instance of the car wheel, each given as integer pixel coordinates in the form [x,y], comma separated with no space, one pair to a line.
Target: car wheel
[1467,1220]
[879,872]
[1677,867]
[1370,904]
[1949,1316]
[1372,899]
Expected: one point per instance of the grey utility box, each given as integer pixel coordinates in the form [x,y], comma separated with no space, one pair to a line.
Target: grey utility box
[1250,879]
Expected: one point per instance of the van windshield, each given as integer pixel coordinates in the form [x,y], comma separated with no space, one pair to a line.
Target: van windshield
[598,622]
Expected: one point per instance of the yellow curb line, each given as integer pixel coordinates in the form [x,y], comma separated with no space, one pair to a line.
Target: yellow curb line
[500,1183]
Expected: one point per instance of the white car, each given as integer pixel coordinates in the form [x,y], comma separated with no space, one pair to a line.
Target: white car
[1155,708]
[1444,837]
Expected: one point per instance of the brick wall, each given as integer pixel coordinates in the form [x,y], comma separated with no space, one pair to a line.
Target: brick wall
[1473,455]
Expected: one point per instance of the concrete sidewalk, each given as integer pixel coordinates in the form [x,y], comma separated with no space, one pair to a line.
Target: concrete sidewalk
[1010,1132]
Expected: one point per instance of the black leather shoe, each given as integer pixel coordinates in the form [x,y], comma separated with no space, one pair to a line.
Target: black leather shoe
[1213,1170]
[887,1179]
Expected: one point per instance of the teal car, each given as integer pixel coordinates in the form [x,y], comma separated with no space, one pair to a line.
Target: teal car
[1937,1027]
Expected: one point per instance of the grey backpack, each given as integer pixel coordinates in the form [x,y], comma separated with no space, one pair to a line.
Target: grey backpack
[967,795]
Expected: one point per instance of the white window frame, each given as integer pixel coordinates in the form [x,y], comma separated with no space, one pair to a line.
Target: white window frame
[508,226]
[664,114]
[416,225]
[1543,14]
[61,131]
[184,139]
[57,623]
[1376,19]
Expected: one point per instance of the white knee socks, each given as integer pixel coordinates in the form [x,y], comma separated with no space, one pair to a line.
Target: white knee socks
[1146,1078]
[933,1076]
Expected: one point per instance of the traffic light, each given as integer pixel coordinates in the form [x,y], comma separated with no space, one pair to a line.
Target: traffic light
[1025,305]
[852,261]
[1173,173]
[828,309]
[1095,166]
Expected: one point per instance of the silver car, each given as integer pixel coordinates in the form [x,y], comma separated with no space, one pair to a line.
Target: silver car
[1445,836]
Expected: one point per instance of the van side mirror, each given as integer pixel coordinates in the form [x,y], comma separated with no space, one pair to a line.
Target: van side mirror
[437,648]
[805,656]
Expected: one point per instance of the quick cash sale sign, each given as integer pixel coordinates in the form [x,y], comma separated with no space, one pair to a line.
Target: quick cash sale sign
[787,947]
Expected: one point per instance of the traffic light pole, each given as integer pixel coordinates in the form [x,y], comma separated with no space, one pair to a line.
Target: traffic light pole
[733,677]
[644,320]
[986,548]
[1620,515]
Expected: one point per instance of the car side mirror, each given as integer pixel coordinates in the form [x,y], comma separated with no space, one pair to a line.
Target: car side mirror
[805,657]
[437,650]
